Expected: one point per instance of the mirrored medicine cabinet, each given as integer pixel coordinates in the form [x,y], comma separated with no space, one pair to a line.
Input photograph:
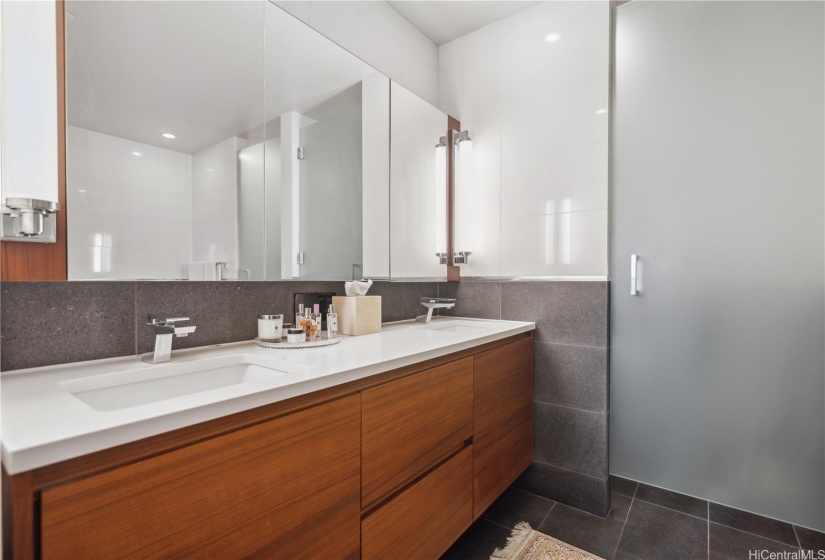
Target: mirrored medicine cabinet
[231,141]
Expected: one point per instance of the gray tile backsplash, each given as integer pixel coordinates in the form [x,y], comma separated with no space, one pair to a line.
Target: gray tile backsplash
[46,323]
[569,438]
[573,376]
[475,299]
[564,312]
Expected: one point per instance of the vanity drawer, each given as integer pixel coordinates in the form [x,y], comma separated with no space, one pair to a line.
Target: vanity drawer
[424,520]
[503,402]
[285,488]
[411,424]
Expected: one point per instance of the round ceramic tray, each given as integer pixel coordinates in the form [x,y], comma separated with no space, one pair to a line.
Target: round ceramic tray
[284,345]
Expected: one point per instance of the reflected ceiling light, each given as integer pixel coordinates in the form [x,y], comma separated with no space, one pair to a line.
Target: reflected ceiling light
[168,135]
[137,154]
[601,111]
[441,200]
[465,200]
[81,190]
[552,38]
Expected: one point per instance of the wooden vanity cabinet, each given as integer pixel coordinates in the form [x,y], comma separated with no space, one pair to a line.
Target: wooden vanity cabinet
[395,466]
[503,412]
[287,488]
[411,424]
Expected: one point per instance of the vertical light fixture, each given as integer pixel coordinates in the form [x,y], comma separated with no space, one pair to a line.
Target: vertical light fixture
[441,200]
[464,215]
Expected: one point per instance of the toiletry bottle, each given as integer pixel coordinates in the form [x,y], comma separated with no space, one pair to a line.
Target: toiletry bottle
[308,325]
[299,316]
[332,322]
[319,320]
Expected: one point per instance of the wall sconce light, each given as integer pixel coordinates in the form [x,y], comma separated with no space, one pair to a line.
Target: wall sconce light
[441,200]
[464,215]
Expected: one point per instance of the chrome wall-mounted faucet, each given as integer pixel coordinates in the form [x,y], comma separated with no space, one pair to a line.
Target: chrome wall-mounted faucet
[164,330]
[434,303]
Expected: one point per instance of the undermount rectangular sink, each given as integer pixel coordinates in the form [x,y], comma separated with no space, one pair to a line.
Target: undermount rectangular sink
[460,327]
[126,389]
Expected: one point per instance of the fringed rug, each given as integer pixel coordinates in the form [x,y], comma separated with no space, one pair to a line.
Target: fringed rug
[527,544]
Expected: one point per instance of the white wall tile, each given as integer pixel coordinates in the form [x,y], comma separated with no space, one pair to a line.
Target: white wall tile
[545,183]
[547,153]
[568,244]
[533,65]
[121,204]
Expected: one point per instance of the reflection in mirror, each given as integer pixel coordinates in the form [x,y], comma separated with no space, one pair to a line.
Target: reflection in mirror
[314,107]
[212,140]
[418,187]
[161,99]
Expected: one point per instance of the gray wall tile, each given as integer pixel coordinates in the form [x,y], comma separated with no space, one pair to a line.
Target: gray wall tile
[392,300]
[413,292]
[564,312]
[574,376]
[567,487]
[45,323]
[481,300]
[572,439]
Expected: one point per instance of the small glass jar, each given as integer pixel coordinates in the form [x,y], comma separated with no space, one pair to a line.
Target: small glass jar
[295,335]
[270,327]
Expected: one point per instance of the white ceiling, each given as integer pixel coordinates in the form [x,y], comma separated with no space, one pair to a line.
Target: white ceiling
[196,69]
[444,20]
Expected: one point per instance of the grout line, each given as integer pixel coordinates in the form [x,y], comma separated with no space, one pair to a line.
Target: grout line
[495,523]
[555,503]
[671,509]
[569,470]
[754,534]
[573,345]
[797,536]
[629,510]
[570,408]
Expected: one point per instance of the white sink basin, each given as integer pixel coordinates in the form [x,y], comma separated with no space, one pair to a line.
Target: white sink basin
[126,389]
[461,327]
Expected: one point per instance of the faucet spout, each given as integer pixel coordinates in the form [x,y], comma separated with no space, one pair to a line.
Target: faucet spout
[434,303]
[164,330]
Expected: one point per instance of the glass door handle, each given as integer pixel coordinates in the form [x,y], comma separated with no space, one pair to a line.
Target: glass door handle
[633,261]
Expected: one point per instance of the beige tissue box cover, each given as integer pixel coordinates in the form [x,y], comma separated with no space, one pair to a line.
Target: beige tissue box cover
[358,315]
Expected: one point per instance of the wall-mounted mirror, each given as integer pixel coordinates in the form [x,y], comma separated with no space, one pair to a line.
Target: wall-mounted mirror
[248,146]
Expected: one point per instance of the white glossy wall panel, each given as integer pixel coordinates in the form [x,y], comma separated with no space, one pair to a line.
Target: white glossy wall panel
[131,214]
[537,112]
[215,202]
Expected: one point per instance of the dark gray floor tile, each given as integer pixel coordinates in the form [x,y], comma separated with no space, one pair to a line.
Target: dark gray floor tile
[566,487]
[657,533]
[753,523]
[45,323]
[673,500]
[624,556]
[481,300]
[623,486]
[574,376]
[412,294]
[515,506]
[810,539]
[598,535]
[478,542]
[564,312]
[571,439]
[392,300]
[731,544]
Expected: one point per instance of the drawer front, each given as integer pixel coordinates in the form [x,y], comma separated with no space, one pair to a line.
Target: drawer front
[424,520]
[286,488]
[411,424]
[503,403]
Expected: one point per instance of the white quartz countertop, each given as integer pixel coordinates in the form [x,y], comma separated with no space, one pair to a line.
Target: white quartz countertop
[43,422]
